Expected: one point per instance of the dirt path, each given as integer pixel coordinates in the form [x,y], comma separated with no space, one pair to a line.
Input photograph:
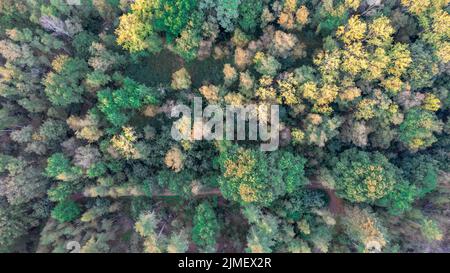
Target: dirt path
[336,204]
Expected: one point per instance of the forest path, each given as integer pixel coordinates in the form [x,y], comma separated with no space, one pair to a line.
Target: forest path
[336,204]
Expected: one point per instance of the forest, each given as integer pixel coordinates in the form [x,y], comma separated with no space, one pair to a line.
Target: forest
[87,159]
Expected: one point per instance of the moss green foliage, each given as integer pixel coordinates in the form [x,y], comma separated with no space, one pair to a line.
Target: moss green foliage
[422,171]
[418,129]
[59,167]
[363,177]
[250,15]
[63,85]
[66,211]
[252,176]
[206,227]
[138,30]
[87,153]
[132,96]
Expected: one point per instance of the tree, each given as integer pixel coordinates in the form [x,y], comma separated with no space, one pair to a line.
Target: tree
[138,30]
[14,223]
[205,229]
[125,144]
[132,96]
[254,177]
[66,211]
[423,68]
[172,16]
[262,235]
[178,242]
[102,59]
[250,15]
[174,159]
[53,130]
[135,36]
[59,167]
[96,244]
[230,74]
[188,43]
[86,156]
[22,135]
[431,230]
[86,94]
[283,44]
[61,192]
[23,184]
[86,128]
[266,64]
[362,176]
[146,227]
[181,79]
[210,92]
[63,85]
[401,198]
[365,229]
[227,13]
[421,170]
[418,128]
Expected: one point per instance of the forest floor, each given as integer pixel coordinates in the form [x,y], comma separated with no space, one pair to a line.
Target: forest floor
[335,204]
[157,70]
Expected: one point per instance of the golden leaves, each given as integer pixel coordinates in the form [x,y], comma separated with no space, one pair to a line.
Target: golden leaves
[354,31]
[174,159]
[124,144]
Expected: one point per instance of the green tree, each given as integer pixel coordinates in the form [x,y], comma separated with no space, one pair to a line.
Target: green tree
[363,176]
[14,223]
[250,15]
[53,130]
[63,85]
[401,198]
[252,176]
[418,128]
[424,68]
[66,211]
[188,43]
[172,16]
[138,30]
[59,167]
[132,96]
[61,192]
[264,230]
[205,229]
[227,13]
[421,170]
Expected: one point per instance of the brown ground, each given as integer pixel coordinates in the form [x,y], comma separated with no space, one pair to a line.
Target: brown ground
[336,204]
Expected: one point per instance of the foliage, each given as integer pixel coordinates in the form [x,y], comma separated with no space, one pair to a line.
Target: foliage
[418,128]
[363,176]
[63,85]
[138,30]
[250,15]
[66,211]
[59,167]
[251,176]
[132,96]
[205,229]
[87,92]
